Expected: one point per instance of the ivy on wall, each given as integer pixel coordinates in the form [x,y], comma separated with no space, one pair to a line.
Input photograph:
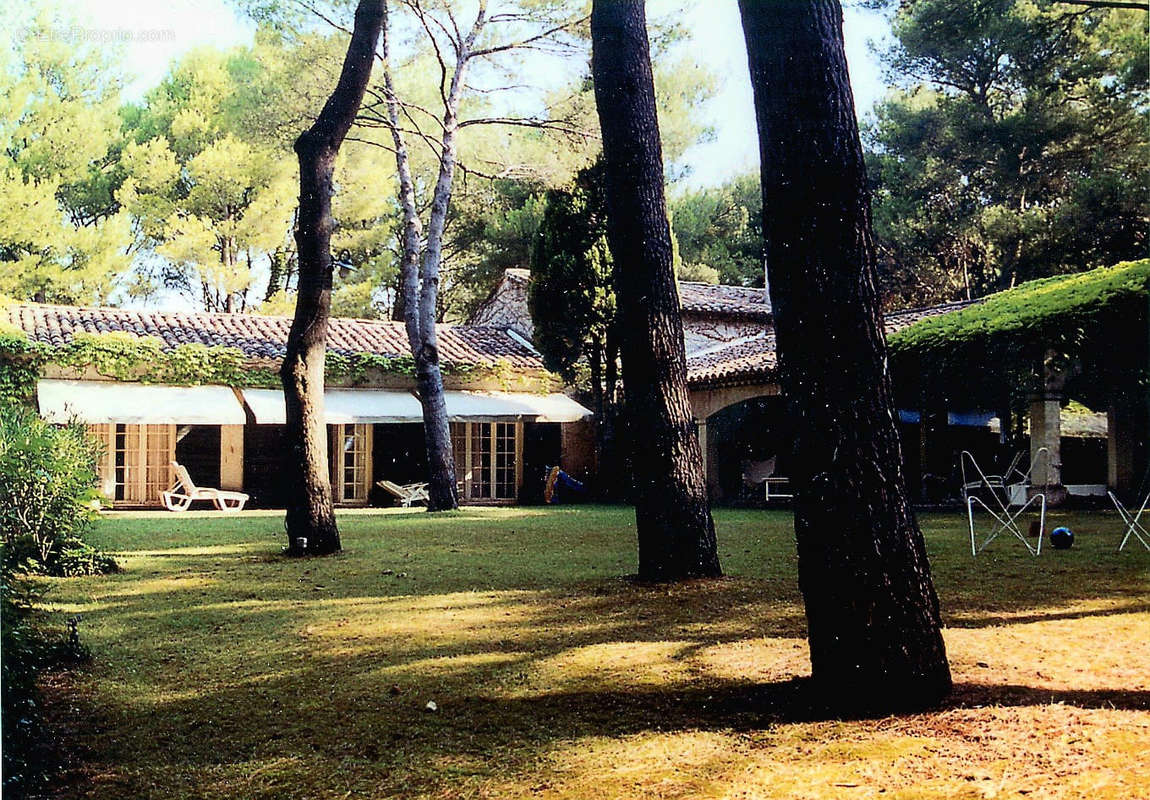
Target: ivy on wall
[125,356]
[1064,309]
[1092,325]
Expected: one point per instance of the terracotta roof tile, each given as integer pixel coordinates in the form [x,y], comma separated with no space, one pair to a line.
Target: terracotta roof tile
[742,359]
[753,357]
[740,302]
[897,320]
[260,337]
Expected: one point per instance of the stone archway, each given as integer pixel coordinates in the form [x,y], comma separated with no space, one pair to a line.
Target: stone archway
[706,403]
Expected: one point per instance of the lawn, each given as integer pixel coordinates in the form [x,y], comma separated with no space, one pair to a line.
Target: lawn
[223,670]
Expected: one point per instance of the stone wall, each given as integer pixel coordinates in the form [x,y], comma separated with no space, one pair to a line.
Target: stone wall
[703,331]
[507,308]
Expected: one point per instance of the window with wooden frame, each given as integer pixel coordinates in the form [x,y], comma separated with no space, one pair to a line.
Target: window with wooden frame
[351,463]
[488,459]
[136,463]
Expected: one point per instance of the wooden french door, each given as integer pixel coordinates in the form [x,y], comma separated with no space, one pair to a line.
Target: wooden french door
[350,463]
[488,459]
[136,463]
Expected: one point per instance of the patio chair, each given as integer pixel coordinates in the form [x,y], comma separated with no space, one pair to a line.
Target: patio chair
[1134,526]
[1007,501]
[976,480]
[184,492]
[406,494]
[763,472]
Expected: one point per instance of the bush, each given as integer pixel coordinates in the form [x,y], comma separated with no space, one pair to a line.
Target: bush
[23,648]
[47,491]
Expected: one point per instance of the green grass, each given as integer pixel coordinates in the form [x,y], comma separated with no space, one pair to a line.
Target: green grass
[223,670]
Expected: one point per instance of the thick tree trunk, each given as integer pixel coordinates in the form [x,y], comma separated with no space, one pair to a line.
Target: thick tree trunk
[676,533]
[310,519]
[871,606]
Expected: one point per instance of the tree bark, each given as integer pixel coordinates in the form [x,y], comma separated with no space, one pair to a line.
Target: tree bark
[419,283]
[871,607]
[676,533]
[310,519]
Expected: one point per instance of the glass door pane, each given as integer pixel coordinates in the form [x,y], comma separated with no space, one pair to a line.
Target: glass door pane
[459,439]
[160,450]
[505,460]
[481,461]
[353,462]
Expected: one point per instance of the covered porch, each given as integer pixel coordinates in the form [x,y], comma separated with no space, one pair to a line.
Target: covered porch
[232,439]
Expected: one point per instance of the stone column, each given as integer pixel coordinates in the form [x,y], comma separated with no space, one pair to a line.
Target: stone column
[1046,432]
[710,462]
[1126,433]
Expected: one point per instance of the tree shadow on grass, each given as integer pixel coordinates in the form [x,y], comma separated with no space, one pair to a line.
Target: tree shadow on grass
[968,620]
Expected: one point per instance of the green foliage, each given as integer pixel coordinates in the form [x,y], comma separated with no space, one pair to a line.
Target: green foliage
[1014,146]
[62,236]
[721,230]
[572,295]
[20,712]
[208,194]
[1094,323]
[1058,310]
[47,494]
[492,227]
[126,356]
[20,363]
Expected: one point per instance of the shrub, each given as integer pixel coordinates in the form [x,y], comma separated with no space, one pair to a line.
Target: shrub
[47,480]
[47,490]
[23,647]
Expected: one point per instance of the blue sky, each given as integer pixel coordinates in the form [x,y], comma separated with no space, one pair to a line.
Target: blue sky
[717,43]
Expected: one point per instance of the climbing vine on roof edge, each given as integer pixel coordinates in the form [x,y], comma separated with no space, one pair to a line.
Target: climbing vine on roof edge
[124,356]
[1094,324]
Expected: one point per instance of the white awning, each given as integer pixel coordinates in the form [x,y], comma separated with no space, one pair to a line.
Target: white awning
[97,402]
[341,406]
[378,405]
[504,406]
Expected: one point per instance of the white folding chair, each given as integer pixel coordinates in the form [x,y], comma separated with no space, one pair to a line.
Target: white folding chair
[1134,527]
[1008,501]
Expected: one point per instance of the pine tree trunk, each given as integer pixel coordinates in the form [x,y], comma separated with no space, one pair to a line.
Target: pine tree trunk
[871,606]
[310,519]
[676,533]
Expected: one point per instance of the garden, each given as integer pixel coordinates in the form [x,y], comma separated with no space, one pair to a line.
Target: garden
[504,653]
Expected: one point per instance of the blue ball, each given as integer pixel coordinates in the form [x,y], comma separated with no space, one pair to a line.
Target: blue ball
[1062,538]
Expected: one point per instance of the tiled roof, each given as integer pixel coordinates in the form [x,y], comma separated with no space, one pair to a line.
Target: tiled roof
[753,357]
[743,359]
[260,337]
[740,302]
[897,320]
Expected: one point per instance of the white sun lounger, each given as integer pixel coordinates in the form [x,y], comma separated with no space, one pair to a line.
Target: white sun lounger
[184,492]
[406,494]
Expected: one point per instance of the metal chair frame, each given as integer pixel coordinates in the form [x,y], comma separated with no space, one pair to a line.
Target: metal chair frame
[1004,511]
[1134,526]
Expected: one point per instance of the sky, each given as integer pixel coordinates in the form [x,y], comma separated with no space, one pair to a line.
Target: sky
[152,33]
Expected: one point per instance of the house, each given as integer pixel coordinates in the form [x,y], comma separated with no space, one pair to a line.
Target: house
[712,314]
[223,417]
[732,377]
